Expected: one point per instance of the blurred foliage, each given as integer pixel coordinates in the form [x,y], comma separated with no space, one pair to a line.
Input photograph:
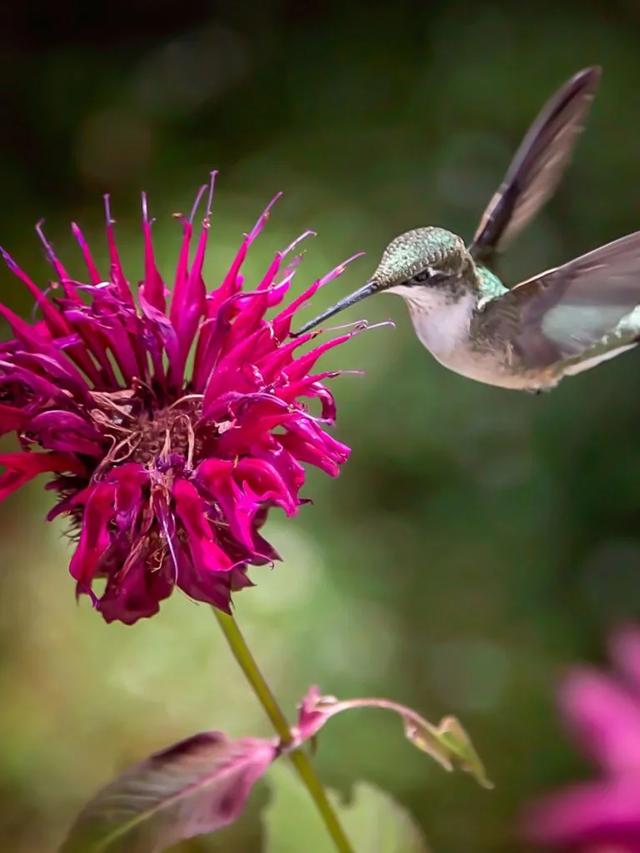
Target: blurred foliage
[479,540]
[370,818]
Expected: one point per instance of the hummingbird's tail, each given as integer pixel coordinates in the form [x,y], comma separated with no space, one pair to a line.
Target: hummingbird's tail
[586,361]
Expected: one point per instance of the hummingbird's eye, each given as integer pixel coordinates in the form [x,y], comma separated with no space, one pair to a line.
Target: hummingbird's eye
[429,275]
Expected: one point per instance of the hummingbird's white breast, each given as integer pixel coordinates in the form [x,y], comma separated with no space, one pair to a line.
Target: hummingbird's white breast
[442,322]
[441,318]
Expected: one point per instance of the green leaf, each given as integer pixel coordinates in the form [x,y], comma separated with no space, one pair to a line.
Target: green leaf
[372,820]
[452,737]
[377,824]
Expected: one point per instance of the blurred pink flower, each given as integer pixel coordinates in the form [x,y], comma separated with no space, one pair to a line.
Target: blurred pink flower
[173,421]
[603,711]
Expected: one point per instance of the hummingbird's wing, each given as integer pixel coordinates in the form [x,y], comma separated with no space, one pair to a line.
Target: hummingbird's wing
[579,309]
[537,166]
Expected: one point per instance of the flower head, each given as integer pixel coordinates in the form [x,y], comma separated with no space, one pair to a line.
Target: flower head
[172,421]
[604,713]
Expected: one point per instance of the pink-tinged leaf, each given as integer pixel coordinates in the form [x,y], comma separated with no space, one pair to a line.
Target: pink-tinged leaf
[447,743]
[196,786]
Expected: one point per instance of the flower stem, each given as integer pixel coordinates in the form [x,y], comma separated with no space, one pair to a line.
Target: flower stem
[299,759]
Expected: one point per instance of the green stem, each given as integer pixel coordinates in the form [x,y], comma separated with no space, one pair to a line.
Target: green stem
[299,759]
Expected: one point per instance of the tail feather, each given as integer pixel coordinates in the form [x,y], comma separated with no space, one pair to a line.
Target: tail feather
[586,362]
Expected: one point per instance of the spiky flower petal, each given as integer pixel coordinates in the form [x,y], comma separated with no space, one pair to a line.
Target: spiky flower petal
[173,420]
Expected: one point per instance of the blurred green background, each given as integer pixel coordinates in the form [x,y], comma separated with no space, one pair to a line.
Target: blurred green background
[479,540]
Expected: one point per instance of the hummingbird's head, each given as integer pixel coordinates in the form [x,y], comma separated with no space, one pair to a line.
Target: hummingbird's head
[423,258]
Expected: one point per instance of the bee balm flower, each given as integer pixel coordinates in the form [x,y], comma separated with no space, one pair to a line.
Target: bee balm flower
[171,421]
[603,710]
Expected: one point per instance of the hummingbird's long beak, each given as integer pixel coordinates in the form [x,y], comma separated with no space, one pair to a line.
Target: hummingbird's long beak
[366,290]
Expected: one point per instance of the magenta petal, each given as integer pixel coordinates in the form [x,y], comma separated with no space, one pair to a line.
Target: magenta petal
[52,317]
[267,483]
[136,595]
[94,538]
[225,484]
[11,418]
[121,285]
[625,653]
[604,713]
[213,587]
[153,287]
[130,480]
[206,554]
[604,813]
[605,717]
[60,430]
[94,275]
[22,467]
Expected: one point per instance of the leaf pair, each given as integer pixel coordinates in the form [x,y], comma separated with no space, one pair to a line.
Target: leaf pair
[202,783]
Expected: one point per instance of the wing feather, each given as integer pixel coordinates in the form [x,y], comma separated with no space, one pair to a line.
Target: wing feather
[537,166]
[566,311]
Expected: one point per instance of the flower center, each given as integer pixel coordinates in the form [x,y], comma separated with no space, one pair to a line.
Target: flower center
[144,434]
[164,433]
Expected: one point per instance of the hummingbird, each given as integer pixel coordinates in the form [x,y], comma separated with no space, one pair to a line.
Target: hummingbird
[528,336]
